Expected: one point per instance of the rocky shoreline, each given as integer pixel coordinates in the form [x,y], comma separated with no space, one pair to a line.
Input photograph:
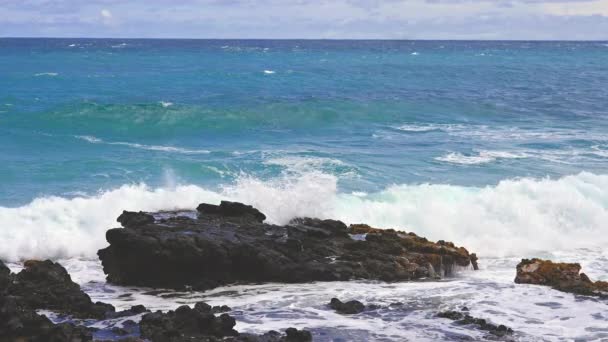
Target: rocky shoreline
[229,243]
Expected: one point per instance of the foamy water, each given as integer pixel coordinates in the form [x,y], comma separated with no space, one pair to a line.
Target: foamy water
[405,311]
[515,217]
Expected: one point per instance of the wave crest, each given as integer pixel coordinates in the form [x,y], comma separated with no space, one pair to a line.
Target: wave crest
[517,217]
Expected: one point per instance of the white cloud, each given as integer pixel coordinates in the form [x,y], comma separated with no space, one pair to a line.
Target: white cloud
[416,19]
[598,7]
[106,13]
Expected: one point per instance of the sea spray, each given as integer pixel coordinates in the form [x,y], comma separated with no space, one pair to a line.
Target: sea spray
[516,217]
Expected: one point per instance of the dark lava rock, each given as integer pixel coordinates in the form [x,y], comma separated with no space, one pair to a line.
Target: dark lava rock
[5,277]
[43,285]
[201,324]
[22,323]
[186,323]
[350,307]
[463,318]
[134,310]
[560,276]
[133,219]
[47,285]
[295,335]
[232,210]
[229,243]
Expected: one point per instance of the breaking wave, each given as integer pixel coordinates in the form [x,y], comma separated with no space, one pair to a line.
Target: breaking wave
[95,140]
[515,217]
[481,157]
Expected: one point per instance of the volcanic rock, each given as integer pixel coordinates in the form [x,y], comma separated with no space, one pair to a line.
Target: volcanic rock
[349,308]
[19,322]
[564,277]
[229,243]
[463,318]
[131,219]
[47,285]
[201,324]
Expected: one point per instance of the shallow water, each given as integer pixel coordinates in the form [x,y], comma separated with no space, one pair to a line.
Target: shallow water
[405,311]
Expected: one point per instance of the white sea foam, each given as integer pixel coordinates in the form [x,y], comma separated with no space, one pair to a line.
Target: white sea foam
[481,157]
[429,127]
[303,164]
[90,139]
[506,133]
[269,72]
[599,151]
[51,74]
[95,140]
[414,53]
[166,104]
[515,217]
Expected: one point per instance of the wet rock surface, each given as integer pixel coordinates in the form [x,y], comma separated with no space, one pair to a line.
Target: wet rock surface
[21,294]
[229,243]
[349,307]
[463,318]
[47,285]
[564,277]
[202,324]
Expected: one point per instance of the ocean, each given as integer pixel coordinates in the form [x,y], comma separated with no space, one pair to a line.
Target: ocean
[501,147]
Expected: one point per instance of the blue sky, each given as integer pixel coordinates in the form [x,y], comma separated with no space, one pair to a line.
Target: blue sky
[389,19]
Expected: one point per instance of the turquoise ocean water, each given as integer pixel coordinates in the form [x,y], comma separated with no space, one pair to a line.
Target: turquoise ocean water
[498,146]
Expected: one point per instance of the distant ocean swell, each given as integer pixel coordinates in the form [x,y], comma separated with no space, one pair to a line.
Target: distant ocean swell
[516,217]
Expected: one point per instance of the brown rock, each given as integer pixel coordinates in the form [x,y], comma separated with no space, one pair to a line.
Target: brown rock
[560,276]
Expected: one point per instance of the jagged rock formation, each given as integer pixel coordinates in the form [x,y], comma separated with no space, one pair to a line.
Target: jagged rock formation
[201,324]
[42,285]
[560,276]
[230,243]
[47,285]
[463,318]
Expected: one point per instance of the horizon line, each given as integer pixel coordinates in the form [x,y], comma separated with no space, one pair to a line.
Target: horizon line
[318,39]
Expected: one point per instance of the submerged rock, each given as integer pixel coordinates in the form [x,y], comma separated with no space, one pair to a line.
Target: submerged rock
[229,243]
[201,324]
[349,308]
[564,277]
[463,318]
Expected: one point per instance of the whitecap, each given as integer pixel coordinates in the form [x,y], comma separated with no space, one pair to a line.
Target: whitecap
[161,148]
[414,53]
[166,104]
[303,164]
[51,74]
[89,138]
[481,157]
[269,72]
[427,127]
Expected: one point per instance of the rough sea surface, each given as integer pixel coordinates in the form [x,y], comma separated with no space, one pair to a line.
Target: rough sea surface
[501,147]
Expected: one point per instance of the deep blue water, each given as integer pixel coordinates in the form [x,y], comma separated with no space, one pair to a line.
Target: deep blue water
[80,115]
